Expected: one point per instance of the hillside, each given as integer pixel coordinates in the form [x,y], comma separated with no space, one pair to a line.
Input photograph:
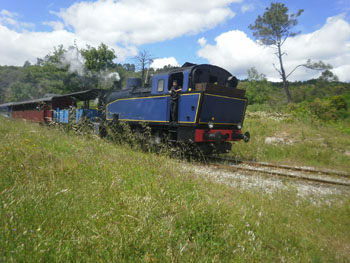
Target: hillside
[69,198]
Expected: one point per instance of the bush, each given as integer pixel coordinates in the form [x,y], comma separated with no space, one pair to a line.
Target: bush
[300,110]
[338,102]
[329,109]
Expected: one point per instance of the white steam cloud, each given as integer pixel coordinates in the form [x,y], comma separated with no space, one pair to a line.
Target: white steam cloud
[73,59]
[114,76]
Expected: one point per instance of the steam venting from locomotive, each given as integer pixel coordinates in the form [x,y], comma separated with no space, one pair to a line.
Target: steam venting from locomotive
[73,59]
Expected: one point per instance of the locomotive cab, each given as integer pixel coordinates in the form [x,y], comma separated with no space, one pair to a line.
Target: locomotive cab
[211,108]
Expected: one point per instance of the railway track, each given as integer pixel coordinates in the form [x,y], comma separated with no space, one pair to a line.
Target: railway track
[312,175]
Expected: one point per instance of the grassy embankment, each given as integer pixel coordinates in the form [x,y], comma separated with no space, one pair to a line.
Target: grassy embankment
[296,142]
[65,198]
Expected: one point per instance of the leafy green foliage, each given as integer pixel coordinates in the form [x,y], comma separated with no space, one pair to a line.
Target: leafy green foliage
[328,76]
[165,68]
[129,67]
[258,89]
[274,26]
[327,109]
[98,59]
[33,81]
[21,91]
[324,99]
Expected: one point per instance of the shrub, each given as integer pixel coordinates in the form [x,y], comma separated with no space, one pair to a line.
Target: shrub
[338,102]
[330,109]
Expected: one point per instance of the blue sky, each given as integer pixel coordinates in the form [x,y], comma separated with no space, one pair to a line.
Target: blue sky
[170,30]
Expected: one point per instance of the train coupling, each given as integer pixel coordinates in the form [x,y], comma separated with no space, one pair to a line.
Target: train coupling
[245,137]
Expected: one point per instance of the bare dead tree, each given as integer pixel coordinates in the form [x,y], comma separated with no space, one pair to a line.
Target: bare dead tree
[143,60]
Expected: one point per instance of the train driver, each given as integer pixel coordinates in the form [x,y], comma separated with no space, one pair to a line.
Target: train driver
[174,94]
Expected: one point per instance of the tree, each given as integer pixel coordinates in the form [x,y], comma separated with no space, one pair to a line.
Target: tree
[273,29]
[26,64]
[129,67]
[328,76]
[56,56]
[143,59]
[98,59]
[258,90]
[21,91]
[166,68]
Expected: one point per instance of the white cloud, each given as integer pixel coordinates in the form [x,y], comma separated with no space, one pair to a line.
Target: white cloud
[235,51]
[202,41]
[56,25]
[20,47]
[7,13]
[9,18]
[247,8]
[138,22]
[122,25]
[161,62]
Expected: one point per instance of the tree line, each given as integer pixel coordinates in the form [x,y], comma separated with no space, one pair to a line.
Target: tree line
[67,70]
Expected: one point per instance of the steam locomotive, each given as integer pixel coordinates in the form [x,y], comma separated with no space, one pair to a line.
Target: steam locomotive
[210,115]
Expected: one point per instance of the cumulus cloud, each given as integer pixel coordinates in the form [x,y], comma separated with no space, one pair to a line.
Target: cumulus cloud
[20,47]
[56,25]
[235,51]
[161,62]
[122,25]
[143,21]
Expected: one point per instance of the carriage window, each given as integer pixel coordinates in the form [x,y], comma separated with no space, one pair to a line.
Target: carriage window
[160,87]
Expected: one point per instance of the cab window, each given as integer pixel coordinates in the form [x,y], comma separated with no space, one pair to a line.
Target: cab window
[176,76]
[160,87]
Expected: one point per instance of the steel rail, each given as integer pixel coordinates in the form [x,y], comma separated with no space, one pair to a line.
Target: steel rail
[279,166]
[282,172]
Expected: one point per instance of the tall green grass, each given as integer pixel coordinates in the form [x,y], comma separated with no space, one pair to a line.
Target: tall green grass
[68,198]
[305,143]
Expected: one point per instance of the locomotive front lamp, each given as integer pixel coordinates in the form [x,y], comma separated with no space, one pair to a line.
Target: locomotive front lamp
[210,125]
[239,126]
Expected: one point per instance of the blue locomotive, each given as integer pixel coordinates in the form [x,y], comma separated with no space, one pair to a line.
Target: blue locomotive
[210,112]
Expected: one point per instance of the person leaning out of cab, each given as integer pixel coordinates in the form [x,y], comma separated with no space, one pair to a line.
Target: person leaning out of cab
[174,94]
